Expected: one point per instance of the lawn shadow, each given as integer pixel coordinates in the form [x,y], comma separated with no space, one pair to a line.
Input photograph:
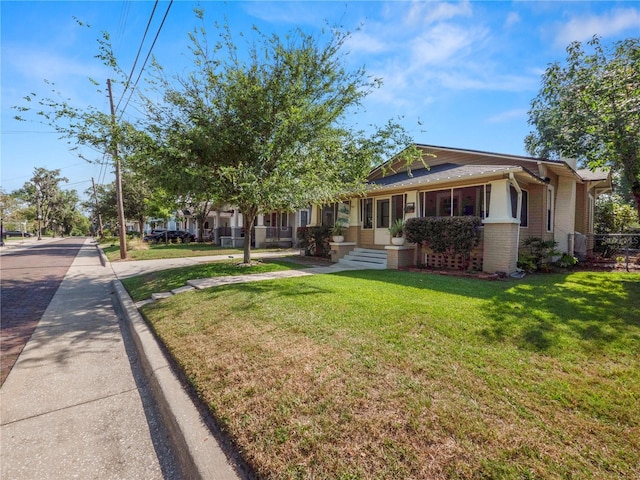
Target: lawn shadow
[592,311]
[541,312]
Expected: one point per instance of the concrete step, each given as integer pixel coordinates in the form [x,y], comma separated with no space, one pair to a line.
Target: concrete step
[365,258]
[362,265]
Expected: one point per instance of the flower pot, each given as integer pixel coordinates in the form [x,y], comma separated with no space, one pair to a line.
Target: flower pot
[398,240]
[338,238]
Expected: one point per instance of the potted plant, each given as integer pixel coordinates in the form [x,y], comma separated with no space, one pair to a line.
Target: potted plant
[338,232]
[397,230]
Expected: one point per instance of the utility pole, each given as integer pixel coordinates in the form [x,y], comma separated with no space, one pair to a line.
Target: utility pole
[121,222]
[95,197]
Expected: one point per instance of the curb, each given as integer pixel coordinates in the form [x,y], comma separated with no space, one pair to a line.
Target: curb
[197,450]
[103,256]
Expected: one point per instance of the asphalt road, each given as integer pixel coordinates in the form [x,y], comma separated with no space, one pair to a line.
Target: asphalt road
[29,278]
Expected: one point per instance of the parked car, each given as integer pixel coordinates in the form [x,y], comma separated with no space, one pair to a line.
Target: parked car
[156,231]
[169,236]
[15,233]
[187,237]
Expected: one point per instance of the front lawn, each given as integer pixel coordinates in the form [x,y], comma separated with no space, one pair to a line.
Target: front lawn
[390,375]
[142,286]
[139,250]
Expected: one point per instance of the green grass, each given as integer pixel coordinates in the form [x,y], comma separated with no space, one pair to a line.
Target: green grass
[141,287]
[139,250]
[386,374]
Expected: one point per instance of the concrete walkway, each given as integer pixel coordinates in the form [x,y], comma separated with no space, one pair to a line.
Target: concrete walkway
[132,268]
[71,407]
[139,267]
[93,396]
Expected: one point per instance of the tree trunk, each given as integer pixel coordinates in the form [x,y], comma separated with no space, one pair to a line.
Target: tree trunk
[635,190]
[248,219]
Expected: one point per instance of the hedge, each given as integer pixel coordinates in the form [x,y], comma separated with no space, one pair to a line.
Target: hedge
[445,235]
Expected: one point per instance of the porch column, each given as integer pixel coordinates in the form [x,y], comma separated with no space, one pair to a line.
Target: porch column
[261,232]
[565,213]
[501,232]
[216,233]
[314,219]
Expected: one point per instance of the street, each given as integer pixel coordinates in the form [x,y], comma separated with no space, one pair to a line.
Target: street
[28,280]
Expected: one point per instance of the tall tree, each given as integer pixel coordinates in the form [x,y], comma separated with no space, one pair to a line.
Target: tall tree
[589,109]
[87,126]
[63,209]
[271,126]
[171,164]
[44,194]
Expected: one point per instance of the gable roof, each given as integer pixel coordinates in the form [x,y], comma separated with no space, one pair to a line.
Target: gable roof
[461,157]
[446,173]
[596,175]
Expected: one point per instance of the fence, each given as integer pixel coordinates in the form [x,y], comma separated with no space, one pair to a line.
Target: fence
[614,245]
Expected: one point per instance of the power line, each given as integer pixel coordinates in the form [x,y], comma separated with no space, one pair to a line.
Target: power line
[135,62]
[135,85]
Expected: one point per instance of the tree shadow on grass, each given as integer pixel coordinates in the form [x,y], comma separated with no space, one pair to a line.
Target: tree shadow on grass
[584,310]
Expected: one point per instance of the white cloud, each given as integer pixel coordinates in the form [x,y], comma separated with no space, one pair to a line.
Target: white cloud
[512,19]
[40,64]
[444,42]
[431,12]
[509,115]
[363,43]
[609,24]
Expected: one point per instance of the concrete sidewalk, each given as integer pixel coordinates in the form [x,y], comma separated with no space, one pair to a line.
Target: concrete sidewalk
[93,396]
[132,268]
[76,403]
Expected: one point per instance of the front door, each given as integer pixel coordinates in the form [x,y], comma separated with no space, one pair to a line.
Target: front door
[383,213]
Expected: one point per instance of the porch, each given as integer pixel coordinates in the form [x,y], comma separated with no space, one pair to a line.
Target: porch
[267,236]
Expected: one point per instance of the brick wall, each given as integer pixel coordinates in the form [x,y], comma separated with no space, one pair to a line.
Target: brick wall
[500,247]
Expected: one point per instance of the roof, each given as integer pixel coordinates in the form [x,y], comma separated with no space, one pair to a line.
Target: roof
[560,167]
[596,175]
[446,173]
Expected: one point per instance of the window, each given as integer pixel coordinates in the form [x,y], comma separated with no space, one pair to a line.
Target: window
[397,207]
[304,218]
[550,198]
[524,208]
[468,201]
[455,202]
[285,219]
[382,213]
[329,215]
[366,212]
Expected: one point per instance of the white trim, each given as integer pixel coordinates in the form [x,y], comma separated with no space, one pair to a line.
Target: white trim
[551,210]
[591,209]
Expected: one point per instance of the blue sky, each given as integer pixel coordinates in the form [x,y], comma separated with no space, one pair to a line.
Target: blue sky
[460,74]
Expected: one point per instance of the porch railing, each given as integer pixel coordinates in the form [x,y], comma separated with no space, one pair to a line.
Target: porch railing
[277,233]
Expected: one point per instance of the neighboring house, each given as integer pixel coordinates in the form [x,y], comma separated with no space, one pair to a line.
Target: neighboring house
[273,229]
[278,229]
[517,197]
[224,227]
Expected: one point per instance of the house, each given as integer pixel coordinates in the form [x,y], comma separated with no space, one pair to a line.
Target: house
[224,226]
[515,196]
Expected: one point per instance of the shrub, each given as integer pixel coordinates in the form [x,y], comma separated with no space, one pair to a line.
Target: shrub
[540,251]
[445,235]
[566,261]
[315,240]
[397,228]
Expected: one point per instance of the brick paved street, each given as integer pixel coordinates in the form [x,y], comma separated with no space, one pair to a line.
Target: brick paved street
[28,280]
